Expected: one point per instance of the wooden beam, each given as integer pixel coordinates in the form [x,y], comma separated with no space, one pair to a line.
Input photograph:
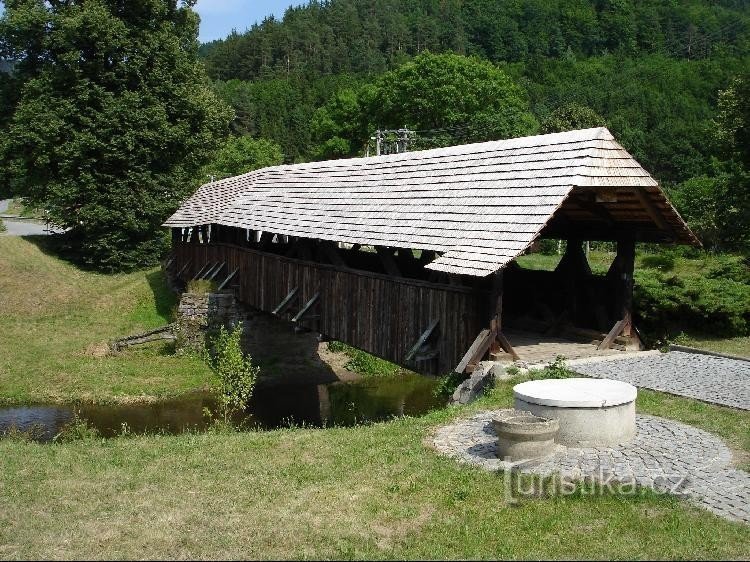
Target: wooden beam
[182,270]
[332,254]
[286,303]
[507,347]
[227,280]
[481,344]
[596,209]
[422,340]
[217,270]
[612,335]
[386,257]
[207,274]
[202,269]
[304,249]
[651,209]
[306,308]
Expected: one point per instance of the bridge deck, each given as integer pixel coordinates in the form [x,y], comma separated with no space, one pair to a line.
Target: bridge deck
[535,349]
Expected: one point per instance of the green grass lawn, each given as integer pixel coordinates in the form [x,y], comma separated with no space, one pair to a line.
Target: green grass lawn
[53,315]
[734,346]
[362,492]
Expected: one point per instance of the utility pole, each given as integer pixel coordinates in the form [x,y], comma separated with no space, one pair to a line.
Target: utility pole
[398,145]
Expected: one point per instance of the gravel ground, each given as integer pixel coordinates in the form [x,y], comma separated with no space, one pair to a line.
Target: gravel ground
[704,377]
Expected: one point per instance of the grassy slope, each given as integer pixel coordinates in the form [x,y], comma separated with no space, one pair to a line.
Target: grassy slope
[52,312]
[368,492]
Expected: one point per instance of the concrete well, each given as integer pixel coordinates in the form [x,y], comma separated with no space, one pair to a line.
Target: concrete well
[591,412]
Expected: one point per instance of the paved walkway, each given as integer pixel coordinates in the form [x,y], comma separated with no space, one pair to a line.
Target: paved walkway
[704,377]
[27,228]
[24,227]
[665,455]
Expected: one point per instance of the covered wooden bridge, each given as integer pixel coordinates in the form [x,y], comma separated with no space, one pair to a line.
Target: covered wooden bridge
[411,256]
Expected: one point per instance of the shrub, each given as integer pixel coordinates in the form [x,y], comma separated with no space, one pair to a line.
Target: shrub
[447,384]
[550,247]
[364,363]
[201,286]
[665,305]
[3,228]
[730,267]
[236,372]
[663,261]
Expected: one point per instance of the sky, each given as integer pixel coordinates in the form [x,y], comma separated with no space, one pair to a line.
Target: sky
[219,17]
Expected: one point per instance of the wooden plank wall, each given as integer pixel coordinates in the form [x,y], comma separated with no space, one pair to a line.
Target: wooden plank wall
[379,314]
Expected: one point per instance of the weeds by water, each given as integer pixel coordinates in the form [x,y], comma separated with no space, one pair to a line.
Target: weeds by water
[236,372]
[78,429]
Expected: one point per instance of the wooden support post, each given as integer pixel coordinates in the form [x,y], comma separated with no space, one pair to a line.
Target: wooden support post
[422,340]
[386,258]
[621,273]
[478,349]
[287,302]
[612,335]
[305,309]
[227,280]
[182,269]
[572,267]
[626,247]
[507,347]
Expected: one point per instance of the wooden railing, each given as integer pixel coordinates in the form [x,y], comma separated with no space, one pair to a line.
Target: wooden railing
[380,314]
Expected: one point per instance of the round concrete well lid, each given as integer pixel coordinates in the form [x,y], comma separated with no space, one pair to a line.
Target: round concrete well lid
[576,393]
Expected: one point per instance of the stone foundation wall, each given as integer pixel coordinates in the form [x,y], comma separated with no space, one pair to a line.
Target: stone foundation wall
[202,314]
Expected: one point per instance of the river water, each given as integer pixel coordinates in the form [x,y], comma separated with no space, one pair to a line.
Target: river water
[337,404]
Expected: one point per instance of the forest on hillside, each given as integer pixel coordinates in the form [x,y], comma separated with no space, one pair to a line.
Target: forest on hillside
[320,81]
[652,69]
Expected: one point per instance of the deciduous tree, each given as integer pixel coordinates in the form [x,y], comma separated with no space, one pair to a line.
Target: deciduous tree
[114,121]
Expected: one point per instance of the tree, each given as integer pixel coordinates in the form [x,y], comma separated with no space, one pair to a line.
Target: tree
[240,155]
[698,200]
[337,126]
[471,98]
[733,135]
[570,117]
[114,121]
[448,99]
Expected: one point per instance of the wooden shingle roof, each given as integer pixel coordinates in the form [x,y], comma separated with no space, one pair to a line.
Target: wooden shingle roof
[481,205]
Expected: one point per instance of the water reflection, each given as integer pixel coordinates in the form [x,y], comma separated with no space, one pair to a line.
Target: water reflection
[337,404]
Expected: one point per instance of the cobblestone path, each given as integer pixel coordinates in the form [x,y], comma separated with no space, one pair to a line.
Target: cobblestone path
[665,455]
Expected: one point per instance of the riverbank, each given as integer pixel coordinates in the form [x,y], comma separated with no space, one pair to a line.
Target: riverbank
[56,318]
[371,492]
[57,321]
